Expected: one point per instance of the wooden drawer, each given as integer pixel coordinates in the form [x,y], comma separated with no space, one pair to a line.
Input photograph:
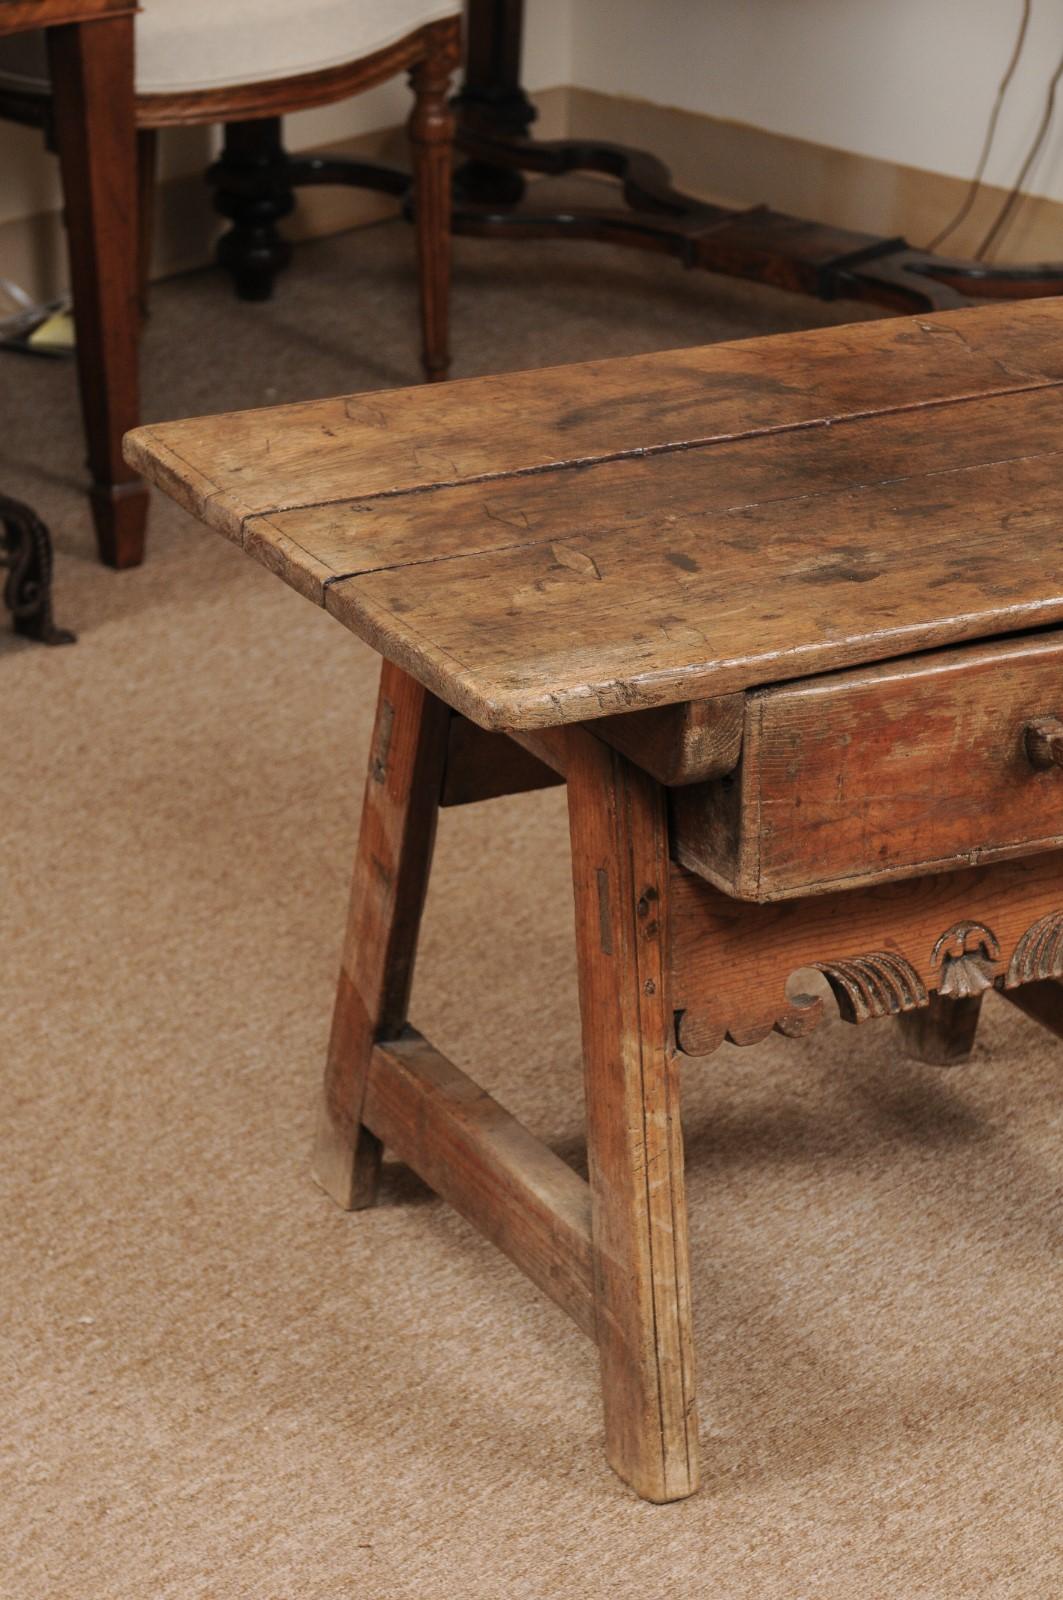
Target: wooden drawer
[884,772]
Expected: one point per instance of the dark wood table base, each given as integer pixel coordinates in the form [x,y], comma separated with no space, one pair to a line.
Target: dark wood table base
[495,115]
[26,552]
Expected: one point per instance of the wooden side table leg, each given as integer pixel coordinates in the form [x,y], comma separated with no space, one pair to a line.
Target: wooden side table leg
[431,130]
[92,75]
[619,834]
[391,870]
[941,1034]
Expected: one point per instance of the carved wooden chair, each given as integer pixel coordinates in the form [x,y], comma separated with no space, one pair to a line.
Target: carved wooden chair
[246,63]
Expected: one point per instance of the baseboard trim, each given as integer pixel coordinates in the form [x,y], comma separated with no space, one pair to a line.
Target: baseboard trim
[736,164]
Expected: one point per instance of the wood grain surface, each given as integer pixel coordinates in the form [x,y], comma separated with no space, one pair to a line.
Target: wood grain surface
[680,744]
[400,809]
[884,772]
[487,1165]
[634,1136]
[485,766]
[546,547]
[737,964]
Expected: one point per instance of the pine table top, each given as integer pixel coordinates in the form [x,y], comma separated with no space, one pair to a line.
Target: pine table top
[547,547]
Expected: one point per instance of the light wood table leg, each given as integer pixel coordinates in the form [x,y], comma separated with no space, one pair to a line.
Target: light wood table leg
[92,75]
[634,1137]
[391,870]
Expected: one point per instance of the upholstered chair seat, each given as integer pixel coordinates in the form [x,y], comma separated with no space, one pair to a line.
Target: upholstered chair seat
[183,46]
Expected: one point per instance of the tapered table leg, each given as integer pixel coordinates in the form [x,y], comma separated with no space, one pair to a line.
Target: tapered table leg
[391,870]
[92,78]
[634,1137]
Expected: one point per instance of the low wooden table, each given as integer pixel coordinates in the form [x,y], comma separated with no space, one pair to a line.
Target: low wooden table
[787,618]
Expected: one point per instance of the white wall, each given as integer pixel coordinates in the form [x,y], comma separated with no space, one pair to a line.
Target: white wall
[908,81]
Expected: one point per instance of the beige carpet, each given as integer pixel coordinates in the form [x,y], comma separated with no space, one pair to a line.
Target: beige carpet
[214,1384]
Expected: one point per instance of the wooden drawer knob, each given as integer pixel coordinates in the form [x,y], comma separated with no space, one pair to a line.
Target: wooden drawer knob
[1044,742]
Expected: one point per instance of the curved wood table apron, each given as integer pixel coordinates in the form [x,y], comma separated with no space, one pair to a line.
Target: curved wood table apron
[495,116]
[786,616]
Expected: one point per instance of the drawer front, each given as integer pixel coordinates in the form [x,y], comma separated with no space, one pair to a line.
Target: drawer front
[910,767]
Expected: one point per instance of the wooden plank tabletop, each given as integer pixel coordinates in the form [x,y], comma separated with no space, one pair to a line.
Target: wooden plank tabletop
[547,547]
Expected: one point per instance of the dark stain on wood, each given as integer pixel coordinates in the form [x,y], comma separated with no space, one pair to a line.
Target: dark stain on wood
[382,742]
[605,921]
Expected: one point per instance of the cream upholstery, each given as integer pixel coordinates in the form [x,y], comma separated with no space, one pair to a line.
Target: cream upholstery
[187,45]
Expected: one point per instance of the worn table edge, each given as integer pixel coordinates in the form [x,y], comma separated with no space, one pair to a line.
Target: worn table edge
[458,685]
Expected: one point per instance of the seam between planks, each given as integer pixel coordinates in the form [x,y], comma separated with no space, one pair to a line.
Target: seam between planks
[642,452]
[546,540]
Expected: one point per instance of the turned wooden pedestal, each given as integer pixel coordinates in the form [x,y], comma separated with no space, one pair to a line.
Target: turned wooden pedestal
[786,618]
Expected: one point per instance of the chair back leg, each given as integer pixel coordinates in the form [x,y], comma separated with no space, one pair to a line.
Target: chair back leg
[431,129]
[92,74]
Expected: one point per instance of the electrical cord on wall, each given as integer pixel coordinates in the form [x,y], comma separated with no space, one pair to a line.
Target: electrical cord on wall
[990,133]
[1006,215]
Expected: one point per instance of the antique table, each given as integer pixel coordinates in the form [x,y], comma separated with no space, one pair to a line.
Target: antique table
[786,617]
[495,119]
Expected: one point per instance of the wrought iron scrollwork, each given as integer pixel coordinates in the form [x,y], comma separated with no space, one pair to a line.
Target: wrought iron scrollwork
[878,985]
[26,552]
